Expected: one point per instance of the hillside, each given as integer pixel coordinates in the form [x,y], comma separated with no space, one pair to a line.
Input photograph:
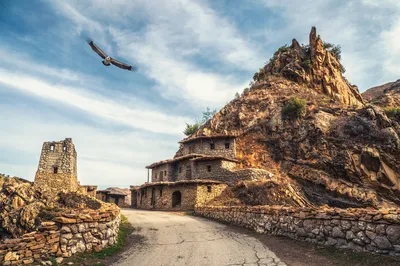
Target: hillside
[387,95]
[303,121]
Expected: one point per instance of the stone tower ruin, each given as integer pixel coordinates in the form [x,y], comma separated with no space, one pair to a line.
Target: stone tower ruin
[57,166]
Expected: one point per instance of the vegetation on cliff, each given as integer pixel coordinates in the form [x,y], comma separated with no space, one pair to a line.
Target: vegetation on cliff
[339,151]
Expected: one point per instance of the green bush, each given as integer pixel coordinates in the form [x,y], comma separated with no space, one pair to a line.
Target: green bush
[295,108]
[392,112]
[191,128]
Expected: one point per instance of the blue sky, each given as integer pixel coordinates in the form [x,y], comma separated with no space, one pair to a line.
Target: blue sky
[191,55]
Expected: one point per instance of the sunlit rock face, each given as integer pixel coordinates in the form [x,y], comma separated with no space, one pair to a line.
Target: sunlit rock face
[341,151]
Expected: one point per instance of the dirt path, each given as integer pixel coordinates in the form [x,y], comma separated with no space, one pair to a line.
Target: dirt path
[172,239]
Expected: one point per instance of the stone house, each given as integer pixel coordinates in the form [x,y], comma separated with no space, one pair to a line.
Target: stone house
[197,174]
[121,197]
[204,157]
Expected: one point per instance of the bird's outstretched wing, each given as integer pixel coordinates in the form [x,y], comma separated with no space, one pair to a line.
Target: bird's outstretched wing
[96,49]
[123,65]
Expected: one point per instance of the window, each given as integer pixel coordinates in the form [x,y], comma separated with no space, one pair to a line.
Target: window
[64,148]
[165,173]
[180,169]
[160,191]
[212,146]
[208,168]
[55,169]
[209,189]
[161,174]
[227,145]
[52,147]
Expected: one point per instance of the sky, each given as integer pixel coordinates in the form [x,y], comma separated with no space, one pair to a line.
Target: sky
[191,54]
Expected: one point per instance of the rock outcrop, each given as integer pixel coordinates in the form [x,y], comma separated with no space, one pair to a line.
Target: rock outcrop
[337,151]
[387,95]
[23,206]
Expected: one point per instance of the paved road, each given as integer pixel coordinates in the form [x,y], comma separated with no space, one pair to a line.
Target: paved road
[174,239]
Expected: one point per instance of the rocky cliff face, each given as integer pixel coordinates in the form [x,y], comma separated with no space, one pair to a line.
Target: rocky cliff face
[337,151]
[23,207]
[387,95]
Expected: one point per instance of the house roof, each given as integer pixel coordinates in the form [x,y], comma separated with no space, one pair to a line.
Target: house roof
[182,182]
[190,139]
[213,158]
[192,157]
[176,159]
[115,191]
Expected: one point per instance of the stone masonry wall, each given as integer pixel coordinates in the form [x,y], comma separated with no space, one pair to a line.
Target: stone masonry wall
[202,146]
[359,229]
[163,170]
[163,200]
[220,170]
[66,235]
[206,193]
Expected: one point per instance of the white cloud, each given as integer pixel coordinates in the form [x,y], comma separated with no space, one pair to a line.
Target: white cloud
[94,104]
[164,49]
[105,156]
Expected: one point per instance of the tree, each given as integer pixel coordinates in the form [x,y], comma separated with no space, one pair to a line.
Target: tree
[237,95]
[192,128]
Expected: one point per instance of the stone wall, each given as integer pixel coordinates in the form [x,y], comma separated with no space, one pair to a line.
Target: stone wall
[57,166]
[202,146]
[220,170]
[163,197]
[160,196]
[64,236]
[161,173]
[359,229]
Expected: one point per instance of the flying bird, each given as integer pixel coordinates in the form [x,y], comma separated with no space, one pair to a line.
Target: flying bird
[107,59]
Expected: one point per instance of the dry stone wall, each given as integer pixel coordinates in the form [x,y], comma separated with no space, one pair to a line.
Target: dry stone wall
[66,235]
[359,229]
[203,146]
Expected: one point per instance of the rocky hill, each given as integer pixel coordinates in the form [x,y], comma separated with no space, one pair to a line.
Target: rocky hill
[23,207]
[303,121]
[387,95]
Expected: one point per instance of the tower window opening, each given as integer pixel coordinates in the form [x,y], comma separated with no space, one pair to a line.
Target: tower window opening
[65,148]
[55,169]
[52,147]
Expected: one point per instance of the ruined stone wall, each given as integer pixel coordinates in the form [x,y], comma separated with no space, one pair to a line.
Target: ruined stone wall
[58,166]
[65,236]
[57,182]
[89,190]
[359,229]
[206,193]
[163,200]
[202,146]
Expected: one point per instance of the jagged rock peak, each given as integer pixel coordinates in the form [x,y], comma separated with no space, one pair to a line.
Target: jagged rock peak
[316,67]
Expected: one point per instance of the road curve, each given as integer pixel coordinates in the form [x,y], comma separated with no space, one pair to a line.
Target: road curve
[174,239]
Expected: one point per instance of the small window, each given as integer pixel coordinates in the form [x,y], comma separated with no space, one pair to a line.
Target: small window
[180,169]
[65,148]
[161,174]
[212,146]
[160,191]
[209,189]
[55,169]
[227,145]
[165,173]
[52,147]
[208,168]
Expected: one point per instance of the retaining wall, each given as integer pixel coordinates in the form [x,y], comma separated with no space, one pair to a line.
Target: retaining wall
[66,235]
[359,229]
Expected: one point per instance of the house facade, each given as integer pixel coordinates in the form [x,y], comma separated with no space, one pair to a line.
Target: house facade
[199,172]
